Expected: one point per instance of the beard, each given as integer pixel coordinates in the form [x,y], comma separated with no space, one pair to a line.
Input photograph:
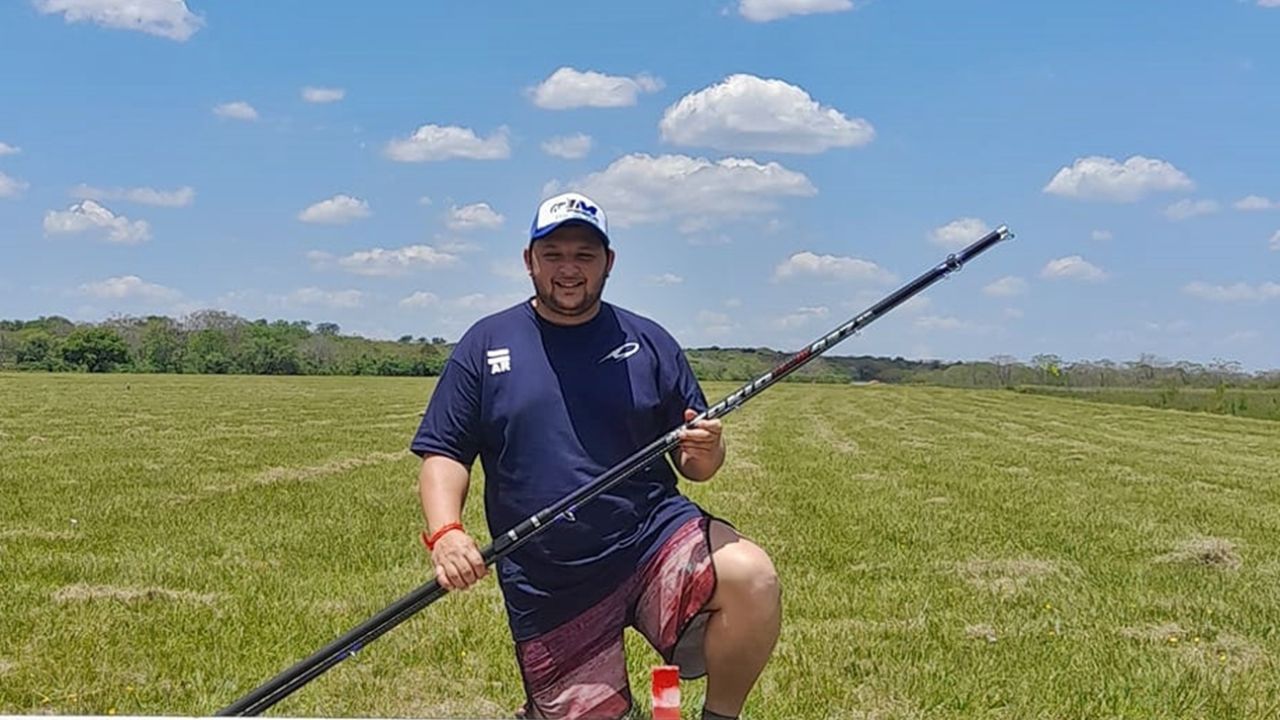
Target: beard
[580,305]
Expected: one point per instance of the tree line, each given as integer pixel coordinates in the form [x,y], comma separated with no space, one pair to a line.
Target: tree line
[213,341]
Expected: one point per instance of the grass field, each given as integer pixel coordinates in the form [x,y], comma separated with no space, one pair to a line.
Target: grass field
[1241,402]
[167,543]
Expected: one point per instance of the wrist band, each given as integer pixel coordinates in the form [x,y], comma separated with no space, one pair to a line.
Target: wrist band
[430,541]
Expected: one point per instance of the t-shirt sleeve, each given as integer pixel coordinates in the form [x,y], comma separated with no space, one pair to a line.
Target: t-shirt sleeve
[683,389]
[451,424]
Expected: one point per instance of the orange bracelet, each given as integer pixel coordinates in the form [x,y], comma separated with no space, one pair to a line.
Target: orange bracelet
[431,541]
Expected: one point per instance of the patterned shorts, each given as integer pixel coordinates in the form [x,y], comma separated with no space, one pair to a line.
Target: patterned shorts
[579,670]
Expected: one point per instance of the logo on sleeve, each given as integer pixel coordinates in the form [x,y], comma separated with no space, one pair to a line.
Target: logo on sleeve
[499,360]
[622,352]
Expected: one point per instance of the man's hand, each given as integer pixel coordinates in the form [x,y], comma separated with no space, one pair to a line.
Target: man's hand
[701,449]
[457,560]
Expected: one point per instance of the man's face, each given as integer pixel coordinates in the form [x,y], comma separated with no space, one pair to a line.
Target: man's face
[569,268]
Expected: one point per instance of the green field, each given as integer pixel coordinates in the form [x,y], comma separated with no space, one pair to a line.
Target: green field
[1241,402]
[168,542]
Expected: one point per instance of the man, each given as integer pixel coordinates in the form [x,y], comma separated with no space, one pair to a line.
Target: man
[550,393]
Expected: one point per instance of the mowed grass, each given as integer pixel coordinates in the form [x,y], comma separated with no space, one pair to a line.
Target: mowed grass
[168,543]
[1243,402]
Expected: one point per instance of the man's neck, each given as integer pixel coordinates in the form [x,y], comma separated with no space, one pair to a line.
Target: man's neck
[556,318]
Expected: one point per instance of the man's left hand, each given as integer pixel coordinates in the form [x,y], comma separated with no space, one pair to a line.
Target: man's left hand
[701,444]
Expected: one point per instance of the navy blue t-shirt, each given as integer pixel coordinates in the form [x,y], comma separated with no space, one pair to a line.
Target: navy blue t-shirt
[549,408]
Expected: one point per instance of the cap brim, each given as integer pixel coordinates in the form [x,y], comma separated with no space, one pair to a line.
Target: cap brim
[570,221]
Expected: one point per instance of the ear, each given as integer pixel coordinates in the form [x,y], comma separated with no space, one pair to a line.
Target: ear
[528,260]
[608,263]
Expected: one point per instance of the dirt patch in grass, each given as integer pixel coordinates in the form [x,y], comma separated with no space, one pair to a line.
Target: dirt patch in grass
[1227,651]
[938,500]
[85,593]
[1004,577]
[1205,551]
[37,534]
[305,473]
[980,632]
[6,666]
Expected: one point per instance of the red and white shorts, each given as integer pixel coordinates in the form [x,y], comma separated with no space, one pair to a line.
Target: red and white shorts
[579,669]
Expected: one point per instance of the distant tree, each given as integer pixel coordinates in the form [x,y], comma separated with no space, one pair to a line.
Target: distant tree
[208,351]
[1004,365]
[328,328]
[95,349]
[162,346]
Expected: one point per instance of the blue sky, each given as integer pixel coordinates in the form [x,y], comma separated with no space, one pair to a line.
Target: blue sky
[770,167]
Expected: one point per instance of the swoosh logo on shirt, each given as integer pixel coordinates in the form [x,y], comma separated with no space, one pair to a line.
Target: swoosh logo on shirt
[622,352]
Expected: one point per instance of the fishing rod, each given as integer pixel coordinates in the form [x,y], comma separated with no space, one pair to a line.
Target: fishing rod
[284,684]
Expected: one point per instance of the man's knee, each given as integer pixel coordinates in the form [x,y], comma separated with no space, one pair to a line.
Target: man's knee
[744,573]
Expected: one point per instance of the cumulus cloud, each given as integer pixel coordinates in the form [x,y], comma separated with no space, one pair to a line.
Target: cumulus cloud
[640,188]
[1073,267]
[1275,241]
[89,215]
[665,279]
[420,299]
[165,18]
[569,147]
[569,88]
[7,149]
[337,210]
[1104,178]
[940,322]
[801,317]
[746,113]
[1007,286]
[11,186]
[380,262]
[238,110]
[1256,202]
[769,10]
[181,197]
[315,297]
[477,216]
[1101,235]
[433,143]
[1239,292]
[1187,209]
[959,232]
[831,267]
[322,94]
[127,287]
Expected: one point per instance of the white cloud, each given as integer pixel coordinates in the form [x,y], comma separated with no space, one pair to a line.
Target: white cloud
[129,287]
[665,279]
[1073,267]
[714,324]
[432,143]
[425,200]
[1188,208]
[379,262]
[801,317]
[311,296]
[420,299]
[7,149]
[1244,336]
[569,88]
[166,18]
[11,186]
[1007,286]
[746,113]
[483,303]
[1104,178]
[569,147]
[831,267]
[769,10]
[181,197]
[1013,313]
[940,322]
[1268,3]
[322,94]
[457,247]
[477,216]
[640,188]
[1256,202]
[337,210]
[959,232]
[1239,292]
[238,110]
[1101,235]
[1275,241]
[89,215]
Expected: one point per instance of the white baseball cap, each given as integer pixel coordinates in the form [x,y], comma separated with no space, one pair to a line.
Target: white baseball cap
[566,208]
